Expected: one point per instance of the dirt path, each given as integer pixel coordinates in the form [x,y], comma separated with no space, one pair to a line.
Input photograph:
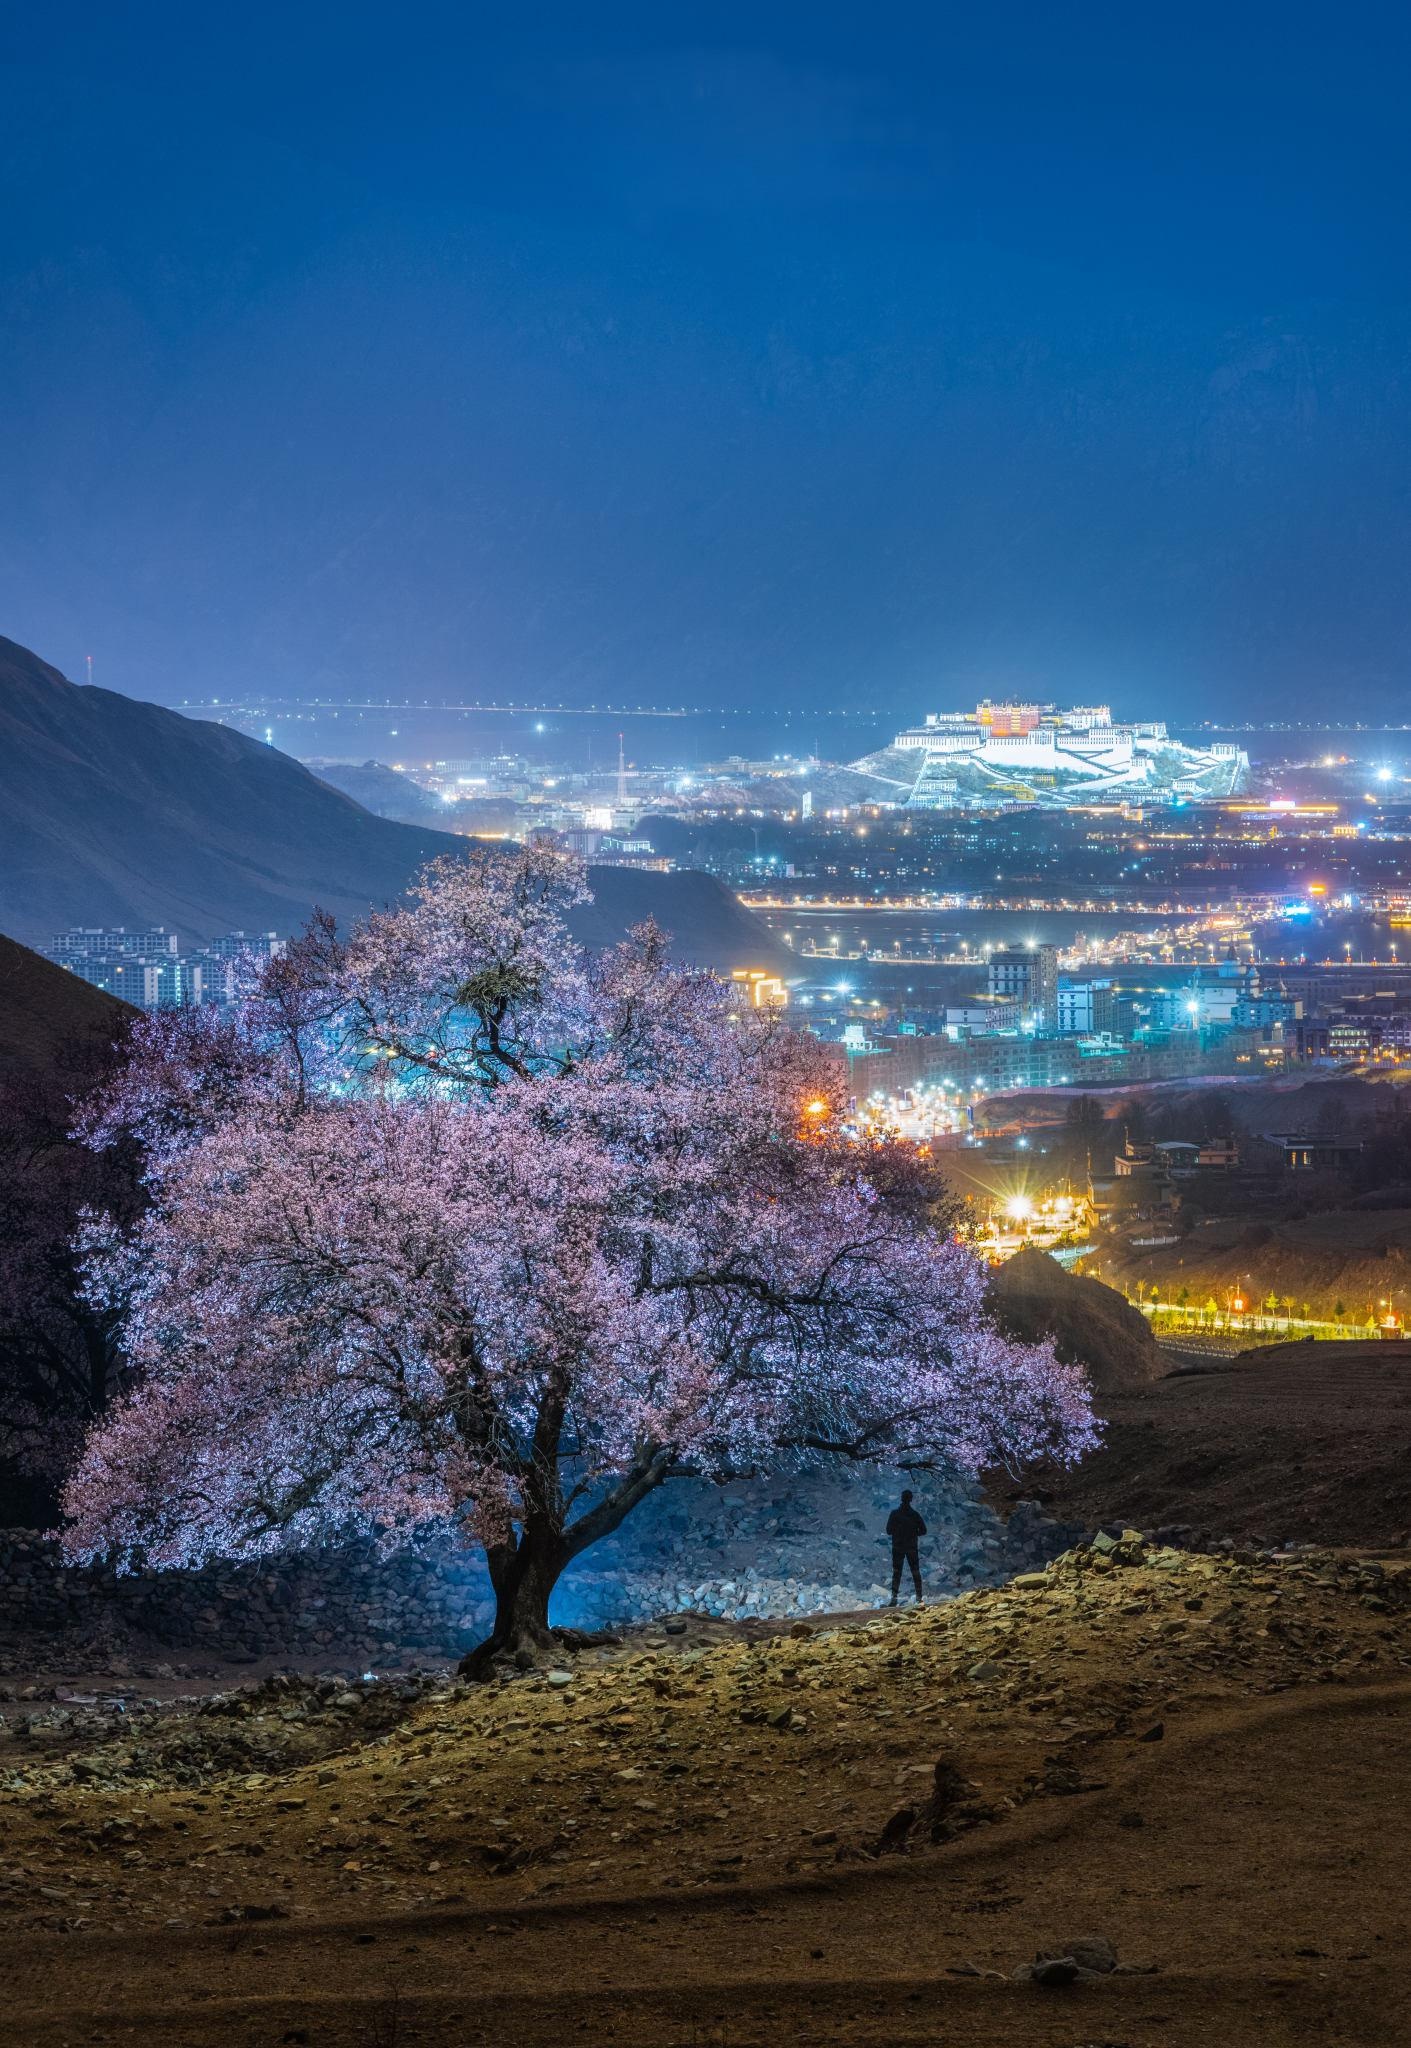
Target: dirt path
[1272,1911]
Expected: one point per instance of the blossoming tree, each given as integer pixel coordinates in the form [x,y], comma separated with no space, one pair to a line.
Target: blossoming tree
[453,1224]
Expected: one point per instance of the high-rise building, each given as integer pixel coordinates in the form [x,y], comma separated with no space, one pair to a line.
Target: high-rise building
[264,945]
[1027,976]
[1082,1007]
[147,970]
[163,983]
[112,942]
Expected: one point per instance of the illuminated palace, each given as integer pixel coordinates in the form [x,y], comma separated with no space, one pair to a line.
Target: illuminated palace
[1037,754]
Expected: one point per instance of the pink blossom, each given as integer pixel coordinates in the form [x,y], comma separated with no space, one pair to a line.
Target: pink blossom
[451,1224]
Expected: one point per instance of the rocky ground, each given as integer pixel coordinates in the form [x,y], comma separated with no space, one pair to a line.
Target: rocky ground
[802,1544]
[789,1545]
[1294,1442]
[1142,1795]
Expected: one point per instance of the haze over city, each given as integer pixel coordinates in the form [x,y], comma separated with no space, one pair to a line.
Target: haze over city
[707,355]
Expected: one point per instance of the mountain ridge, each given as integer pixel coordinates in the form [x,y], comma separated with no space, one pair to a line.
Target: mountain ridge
[118,812]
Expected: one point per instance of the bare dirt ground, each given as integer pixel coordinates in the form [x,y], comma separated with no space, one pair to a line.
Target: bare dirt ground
[737,1837]
[1296,1442]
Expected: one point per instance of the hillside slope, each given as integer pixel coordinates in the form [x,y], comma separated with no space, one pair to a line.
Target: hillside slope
[119,813]
[386,792]
[1184,1776]
[708,923]
[1335,1259]
[45,1012]
[1293,1442]
[1090,1324]
[115,812]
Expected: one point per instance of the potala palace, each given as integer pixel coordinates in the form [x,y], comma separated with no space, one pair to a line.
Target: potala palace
[1037,754]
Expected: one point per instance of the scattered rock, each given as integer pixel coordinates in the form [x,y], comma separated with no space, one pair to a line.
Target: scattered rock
[796,1547]
[1083,1961]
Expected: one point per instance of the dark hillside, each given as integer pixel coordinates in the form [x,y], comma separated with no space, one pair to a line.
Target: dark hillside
[114,812]
[1302,1442]
[46,1013]
[1090,1324]
[709,925]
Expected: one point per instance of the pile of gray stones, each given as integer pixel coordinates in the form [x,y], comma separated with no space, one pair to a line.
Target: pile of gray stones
[800,1545]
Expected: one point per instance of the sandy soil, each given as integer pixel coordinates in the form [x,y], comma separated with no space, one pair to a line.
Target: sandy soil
[1206,1763]
[1297,1442]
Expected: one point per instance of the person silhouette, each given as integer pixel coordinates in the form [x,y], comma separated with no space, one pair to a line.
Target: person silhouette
[906,1528]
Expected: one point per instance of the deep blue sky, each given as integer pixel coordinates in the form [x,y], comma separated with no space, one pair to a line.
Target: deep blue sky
[745,354]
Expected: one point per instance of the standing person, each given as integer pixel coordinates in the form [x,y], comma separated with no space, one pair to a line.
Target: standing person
[906,1528]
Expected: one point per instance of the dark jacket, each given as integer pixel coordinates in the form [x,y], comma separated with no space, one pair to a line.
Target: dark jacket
[905,1527]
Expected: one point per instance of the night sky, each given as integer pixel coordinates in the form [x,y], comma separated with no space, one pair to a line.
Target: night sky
[718,355]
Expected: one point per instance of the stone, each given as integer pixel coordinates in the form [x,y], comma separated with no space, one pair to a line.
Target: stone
[1093,1952]
[1051,1972]
[1084,1961]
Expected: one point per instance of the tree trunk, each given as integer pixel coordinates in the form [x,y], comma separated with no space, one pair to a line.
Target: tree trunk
[523,1575]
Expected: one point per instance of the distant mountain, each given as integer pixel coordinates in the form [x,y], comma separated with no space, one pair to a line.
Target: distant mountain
[114,812]
[47,1015]
[391,793]
[708,922]
[386,792]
